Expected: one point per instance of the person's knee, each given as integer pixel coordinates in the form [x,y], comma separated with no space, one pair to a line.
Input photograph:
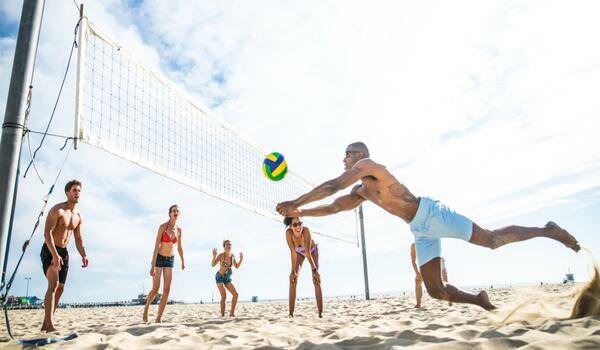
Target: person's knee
[52,287]
[59,288]
[166,290]
[490,240]
[234,295]
[495,242]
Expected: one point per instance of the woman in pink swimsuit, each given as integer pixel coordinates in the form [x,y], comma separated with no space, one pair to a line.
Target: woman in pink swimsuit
[299,241]
[163,260]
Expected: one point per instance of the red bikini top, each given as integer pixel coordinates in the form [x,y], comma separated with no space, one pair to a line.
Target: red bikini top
[167,238]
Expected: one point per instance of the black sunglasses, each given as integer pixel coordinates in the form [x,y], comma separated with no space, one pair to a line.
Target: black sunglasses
[297,224]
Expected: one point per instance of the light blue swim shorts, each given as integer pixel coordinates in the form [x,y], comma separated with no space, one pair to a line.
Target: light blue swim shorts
[434,221]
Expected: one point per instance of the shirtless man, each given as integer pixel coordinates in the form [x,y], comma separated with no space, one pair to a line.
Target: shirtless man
[419,279]
[429,220]
[63,219]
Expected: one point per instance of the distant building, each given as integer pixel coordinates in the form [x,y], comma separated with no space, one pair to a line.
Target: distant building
[569,278]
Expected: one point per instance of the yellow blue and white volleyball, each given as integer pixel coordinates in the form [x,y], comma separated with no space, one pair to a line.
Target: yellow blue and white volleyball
[274,166]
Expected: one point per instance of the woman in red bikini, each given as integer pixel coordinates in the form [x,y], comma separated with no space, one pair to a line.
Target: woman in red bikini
[163,260]
[299,241]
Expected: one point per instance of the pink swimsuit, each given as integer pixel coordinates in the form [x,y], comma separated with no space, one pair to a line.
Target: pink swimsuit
[300,250]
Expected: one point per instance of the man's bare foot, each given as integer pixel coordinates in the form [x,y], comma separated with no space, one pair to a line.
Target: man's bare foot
[484,301]
[561,235]
[145,318]
[418,306]
[320,315]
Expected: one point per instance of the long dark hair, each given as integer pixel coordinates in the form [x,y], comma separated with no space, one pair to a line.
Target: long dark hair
[288,220]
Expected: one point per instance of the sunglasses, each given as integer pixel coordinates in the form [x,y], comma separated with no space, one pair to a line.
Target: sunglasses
[297,224]
[228,245]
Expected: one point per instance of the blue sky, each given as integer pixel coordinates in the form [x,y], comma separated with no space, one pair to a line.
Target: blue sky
[489,107]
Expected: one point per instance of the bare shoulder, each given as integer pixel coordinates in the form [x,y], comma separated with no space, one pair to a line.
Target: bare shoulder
[54,213]
[55,209]
[365,164]
[306,231]
[369,167]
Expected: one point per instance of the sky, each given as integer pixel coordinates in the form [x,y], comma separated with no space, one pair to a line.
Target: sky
[490,107]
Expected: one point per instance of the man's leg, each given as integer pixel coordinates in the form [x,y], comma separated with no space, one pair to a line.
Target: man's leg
[497,238]
[445,279]
[57,294]
[52,277]
[432,276]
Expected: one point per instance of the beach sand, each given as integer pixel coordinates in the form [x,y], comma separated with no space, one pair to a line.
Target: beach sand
[383,323]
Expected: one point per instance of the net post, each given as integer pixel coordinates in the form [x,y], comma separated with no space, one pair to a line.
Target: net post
[14,118]
[364,251]
[82,42]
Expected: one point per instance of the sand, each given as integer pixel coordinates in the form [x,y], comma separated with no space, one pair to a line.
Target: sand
[383,323]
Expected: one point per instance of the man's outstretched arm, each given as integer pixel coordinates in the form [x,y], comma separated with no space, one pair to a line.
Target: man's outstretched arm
[342,203]
[325,189]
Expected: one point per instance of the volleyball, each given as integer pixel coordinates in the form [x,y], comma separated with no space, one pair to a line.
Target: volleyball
[274,166]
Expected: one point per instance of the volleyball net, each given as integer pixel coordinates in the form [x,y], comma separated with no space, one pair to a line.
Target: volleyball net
[125,108]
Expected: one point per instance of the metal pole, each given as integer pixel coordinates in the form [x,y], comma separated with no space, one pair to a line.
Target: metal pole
[364,251]
[14,116]
[82,42]
[27,290]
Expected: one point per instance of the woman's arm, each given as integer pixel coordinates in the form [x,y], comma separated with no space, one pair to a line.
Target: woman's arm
[216,258]
[293,253]
[180,247]
[307,248]
[236,263]
[157,244]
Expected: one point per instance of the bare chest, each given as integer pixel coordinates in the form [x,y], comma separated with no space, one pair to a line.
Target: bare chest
[373,191]
[68,220]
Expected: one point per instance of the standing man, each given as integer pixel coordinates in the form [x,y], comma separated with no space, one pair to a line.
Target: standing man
[429,220]
[63,220]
